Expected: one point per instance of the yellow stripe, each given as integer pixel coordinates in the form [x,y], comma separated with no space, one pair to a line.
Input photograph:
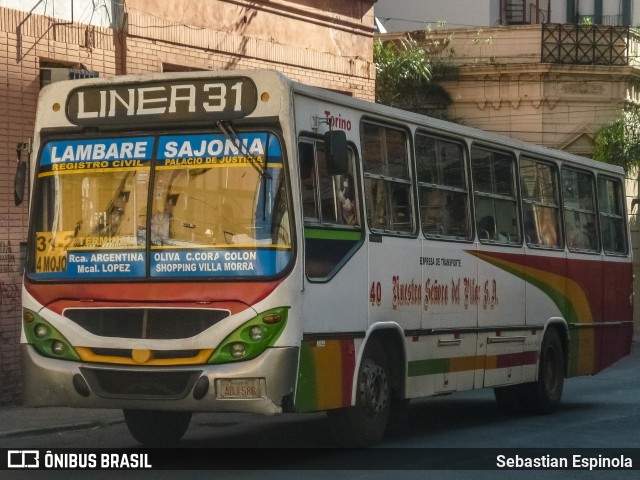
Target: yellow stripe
[87,355]
[574,294]
[216,165]
[222,245]
[85,170]
[328,366]
[464,364]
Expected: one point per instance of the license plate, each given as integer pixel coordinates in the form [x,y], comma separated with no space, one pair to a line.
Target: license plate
[238,388]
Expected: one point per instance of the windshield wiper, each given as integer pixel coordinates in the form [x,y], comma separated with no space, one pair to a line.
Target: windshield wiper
[231,134]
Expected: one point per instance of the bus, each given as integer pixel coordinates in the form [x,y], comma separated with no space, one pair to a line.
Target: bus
[239,242]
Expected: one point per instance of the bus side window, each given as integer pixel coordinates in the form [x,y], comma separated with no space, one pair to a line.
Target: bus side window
[444,198]
[329,203]
[308,179]
[326,199]
[578,196]
[495,196]
[540,203]
[387,181]
[612,219]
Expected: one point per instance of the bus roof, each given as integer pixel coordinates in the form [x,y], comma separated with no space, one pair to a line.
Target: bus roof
[265,77]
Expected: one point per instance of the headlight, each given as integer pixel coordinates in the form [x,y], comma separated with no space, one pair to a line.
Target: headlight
[251,338]
[45,338]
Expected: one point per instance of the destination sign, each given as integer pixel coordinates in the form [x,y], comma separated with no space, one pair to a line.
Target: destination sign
[160,102]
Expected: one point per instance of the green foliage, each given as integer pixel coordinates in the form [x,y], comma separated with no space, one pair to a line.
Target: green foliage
[618,142]
[408,78]
[400,68]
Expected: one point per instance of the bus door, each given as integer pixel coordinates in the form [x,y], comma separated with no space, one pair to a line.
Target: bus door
[335,263]
[500,284]
[335,266]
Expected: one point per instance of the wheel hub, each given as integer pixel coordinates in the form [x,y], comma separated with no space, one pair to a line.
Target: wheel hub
[374,389]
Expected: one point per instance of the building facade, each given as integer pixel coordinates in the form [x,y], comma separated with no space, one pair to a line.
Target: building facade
[410,15]
[327,43]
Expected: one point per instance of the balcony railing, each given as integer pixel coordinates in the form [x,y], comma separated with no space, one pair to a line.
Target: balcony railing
[589,45]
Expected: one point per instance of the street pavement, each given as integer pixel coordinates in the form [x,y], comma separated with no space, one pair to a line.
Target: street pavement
[18,421]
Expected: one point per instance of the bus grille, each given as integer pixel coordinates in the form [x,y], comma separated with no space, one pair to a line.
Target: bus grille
[140,385]
[151,323]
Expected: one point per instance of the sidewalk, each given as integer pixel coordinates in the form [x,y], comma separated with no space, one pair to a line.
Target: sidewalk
[18,421]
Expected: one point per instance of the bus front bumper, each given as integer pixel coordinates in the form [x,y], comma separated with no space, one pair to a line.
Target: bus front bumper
[259,386]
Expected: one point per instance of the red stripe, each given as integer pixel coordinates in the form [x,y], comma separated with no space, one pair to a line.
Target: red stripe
[517,359]
[236,296]
[348,352]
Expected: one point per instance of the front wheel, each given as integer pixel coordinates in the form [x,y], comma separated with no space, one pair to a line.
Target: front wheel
[157,428]
[364,424]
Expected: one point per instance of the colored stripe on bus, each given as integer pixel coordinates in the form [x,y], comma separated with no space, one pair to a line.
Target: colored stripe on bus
[325,374]
[433,366]
[566,293]
[326,234]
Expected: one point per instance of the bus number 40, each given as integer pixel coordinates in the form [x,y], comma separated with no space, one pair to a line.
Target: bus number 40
[375,294]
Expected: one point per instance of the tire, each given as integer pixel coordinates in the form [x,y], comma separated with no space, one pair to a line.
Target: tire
[544,395]
[364,424]
[157,428]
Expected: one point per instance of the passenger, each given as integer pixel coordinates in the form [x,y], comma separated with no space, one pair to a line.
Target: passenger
[346,199]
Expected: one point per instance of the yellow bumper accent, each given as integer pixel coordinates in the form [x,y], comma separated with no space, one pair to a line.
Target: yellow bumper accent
[143,357]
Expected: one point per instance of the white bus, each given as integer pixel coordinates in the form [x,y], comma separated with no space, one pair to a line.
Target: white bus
[238,242]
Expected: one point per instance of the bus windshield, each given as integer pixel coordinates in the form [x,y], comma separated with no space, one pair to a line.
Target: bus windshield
[197,205]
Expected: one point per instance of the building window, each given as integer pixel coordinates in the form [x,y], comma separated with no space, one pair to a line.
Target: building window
[51,72]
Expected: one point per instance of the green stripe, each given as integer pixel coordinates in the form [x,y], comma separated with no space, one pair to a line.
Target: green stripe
[306,394]
[428,367]
[325,234]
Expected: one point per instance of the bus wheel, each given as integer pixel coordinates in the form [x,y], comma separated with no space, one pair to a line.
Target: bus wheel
[364,424]
[157,428]
[543,396]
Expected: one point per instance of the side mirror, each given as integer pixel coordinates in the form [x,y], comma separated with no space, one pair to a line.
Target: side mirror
[337,152]
[19,181]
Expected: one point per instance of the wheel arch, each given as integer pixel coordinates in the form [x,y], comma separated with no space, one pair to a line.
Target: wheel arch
[391,336]
[562,328]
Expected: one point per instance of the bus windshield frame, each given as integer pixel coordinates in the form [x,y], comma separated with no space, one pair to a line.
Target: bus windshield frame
[167,206]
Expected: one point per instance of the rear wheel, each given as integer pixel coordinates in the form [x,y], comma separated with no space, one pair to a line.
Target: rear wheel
[364,424]
[157,428]
[543,395]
